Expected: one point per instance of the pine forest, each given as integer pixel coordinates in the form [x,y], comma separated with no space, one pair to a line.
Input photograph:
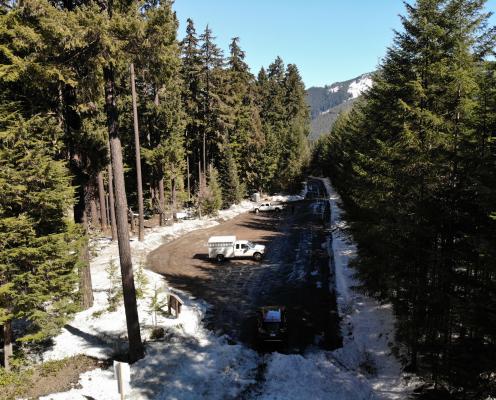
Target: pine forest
[118,120]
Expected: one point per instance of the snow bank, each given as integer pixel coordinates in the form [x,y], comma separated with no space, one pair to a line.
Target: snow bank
[313,376]
[284,198]
[367,326]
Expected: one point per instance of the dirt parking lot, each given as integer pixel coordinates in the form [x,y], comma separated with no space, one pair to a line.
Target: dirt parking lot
[294,273]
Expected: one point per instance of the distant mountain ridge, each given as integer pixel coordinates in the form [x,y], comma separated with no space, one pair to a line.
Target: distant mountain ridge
[327,102]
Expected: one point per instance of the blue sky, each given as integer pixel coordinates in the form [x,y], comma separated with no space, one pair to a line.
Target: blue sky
[329,40]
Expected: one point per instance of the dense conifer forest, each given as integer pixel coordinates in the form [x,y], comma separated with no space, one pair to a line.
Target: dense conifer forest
[210,133]
[107,110]
[414,162]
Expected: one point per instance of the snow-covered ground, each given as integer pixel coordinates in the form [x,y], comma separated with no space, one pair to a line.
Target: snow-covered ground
[192,363]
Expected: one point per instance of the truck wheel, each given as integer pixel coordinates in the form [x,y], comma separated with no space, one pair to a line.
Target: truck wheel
[277,210]
[257,210]
[219,258]
[257,256]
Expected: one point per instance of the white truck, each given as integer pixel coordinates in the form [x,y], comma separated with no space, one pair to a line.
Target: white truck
[224,247]
[267,206]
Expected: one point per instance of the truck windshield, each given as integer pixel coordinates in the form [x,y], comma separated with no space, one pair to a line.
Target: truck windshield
[250,244]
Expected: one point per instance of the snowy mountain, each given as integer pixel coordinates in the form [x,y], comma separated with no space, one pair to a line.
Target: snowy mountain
[327,102]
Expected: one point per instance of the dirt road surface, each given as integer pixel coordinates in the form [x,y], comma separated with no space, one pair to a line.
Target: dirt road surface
[294,273]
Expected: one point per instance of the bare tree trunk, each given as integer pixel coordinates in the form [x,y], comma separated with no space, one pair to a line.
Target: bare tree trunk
[101,195]
[93,208]
[160,194]
[161,199]
[136,350]
[141,222]
[200,188]
[204,152]
[187,176]
[113,225]
[173,195]
[7,344]
[85,283]
[107,208]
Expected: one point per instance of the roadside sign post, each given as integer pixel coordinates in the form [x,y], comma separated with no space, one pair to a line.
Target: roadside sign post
[122,374]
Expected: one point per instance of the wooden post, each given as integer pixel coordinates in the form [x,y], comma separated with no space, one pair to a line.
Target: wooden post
[141,222]
[136,350]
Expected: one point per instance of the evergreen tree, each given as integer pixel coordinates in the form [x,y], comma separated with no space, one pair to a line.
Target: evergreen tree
[37,240]
[191,70]
[412,164]
[212,106]
[233,190]
[163,142]
[244,132]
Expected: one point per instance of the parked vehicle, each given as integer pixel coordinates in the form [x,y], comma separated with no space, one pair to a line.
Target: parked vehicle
[225,247]
[267,206]
[272,324]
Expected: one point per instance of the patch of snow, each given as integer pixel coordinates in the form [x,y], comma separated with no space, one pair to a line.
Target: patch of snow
[285,198]
[97,384]
[312,376]
[191,363]
[359,86]
[334,89]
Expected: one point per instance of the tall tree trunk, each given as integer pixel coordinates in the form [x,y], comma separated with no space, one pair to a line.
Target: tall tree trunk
[136,350]
[173,195]
[161,194]
[101,195]
[141,222]
[113,224]
[188,177]
[7,344]
[200,188]
[161,199]
[93,208]
[85,283]
[204,151]
[107,208]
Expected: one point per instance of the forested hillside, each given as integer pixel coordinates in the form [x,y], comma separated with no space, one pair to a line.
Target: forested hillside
[210,132]
[414,162]
[326,103]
